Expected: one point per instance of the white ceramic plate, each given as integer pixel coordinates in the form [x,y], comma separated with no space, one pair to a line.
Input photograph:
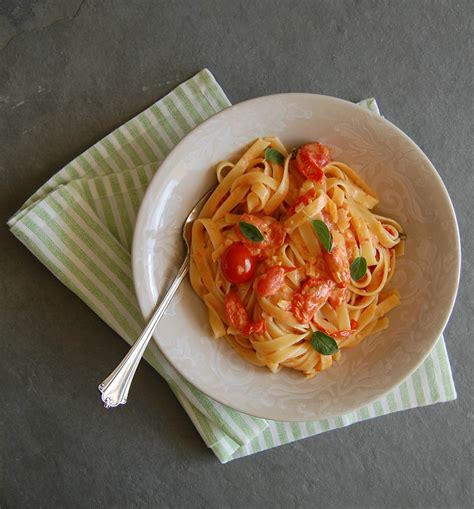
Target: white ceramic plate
[410,191]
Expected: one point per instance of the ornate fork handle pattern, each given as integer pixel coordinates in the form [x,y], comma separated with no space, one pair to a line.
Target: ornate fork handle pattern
[114,389]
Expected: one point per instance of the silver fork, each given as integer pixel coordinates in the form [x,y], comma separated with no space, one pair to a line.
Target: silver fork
[114,389]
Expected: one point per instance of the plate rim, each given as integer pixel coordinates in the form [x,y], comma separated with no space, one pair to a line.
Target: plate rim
[161,176]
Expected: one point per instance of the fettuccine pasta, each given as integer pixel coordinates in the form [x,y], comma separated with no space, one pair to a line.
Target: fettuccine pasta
[290,259]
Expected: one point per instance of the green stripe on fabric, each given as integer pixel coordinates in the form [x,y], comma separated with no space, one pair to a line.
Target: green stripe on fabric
[349,419]
[148,172]
[205,426]
[94,207]
[254,445]
[165,124]
[86,166]
[310,428]
[430,375]
[128,192]
[124,298]
[177,115]
[60,254]
[180,94]
[404,395]
[209,82]
[392,402]
[72,173]
[126,145]
[200,98]
[225,448]
[81,210]
[237,418]
[113,153]
[100,161]
[258,444]
[54,269]
[143,177]
[116,214]
[363,413]
[324,424]
[222,451]
[89,241]
[86,191]
[267,435]
[295,429]
[141,141]
[151,131]
[118,199]
[378,408]
[418,387]
[445,370]
[86,282]
[281,431]
[107,209]
[129,186]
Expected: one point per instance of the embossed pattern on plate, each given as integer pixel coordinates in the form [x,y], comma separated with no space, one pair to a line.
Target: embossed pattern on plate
[410,190]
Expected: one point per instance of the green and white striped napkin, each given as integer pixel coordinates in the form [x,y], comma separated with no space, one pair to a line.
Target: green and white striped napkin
[80,225]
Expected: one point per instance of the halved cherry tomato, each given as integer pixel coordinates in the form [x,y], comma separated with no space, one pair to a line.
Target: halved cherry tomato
[304,199]
[311,159]
[271,280]
[257,327]
[235,311]
[238,264]
[237,316]
[273,234]
[314,293]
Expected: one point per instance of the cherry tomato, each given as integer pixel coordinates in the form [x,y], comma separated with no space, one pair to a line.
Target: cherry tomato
[238,264]
[237,316]
[235,311]
[305,199]
[314,293]
[257,327]
[311,159]
[271,280]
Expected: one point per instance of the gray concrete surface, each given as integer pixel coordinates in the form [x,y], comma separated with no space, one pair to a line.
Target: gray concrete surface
[71,71]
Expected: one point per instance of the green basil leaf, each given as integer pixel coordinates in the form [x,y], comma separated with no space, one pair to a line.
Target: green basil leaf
[273,155]
[358,268]
[324,234]
[323,343]
[251,231]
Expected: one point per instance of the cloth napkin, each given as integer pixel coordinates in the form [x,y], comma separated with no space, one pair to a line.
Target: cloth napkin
[80,224]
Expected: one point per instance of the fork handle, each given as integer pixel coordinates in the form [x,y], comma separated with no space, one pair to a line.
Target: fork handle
[114,388]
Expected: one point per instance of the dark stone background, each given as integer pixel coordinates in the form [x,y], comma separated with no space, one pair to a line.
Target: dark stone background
[70,72]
